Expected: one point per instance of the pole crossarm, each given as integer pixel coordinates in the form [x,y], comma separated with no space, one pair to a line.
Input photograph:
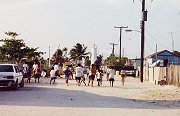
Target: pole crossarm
[113,44]
[121,27]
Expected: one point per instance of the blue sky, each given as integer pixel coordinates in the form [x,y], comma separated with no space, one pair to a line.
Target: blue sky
[63,23]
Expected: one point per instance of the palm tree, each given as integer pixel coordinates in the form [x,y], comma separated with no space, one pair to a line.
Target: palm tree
[78,52]
[87,61]
[57,57]
[64,50]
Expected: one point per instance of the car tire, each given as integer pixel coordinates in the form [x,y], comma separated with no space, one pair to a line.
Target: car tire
[15,85]
[22,83]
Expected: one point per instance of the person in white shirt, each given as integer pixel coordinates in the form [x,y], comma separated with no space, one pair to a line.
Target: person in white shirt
[99,77]
[52,75]
[111,75]
[34,67]
[92,74]
[79,72]
[56,68]
[25,70]
[82,76]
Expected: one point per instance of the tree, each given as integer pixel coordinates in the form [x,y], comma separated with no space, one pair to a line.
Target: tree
[57,57]
[15,50]
[78,52]
[87,61]
[98,62]
[64,50]
[113,60]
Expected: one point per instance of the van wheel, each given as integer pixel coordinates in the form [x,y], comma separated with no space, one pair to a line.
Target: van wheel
[22,83]
[15,85]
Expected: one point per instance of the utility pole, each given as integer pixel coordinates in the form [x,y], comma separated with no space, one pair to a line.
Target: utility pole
[144,18]
[49,58]
[113,44]
[120,29]
[123,53]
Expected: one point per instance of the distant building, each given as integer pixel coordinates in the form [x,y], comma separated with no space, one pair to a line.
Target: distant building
[163,58]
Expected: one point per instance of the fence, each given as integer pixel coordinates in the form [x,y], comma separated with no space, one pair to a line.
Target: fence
[171,74]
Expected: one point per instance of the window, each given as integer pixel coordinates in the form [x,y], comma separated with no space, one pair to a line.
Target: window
[6,68]
[16,69]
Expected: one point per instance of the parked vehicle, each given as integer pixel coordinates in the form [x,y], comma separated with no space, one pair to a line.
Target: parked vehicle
[130,73]
[11,76]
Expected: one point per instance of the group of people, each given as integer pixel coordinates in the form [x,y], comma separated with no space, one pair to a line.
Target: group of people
[92,74]
[80,77]
[31,70]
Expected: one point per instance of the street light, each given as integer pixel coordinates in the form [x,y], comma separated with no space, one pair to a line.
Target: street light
[142,54]
[130,30]
[120,29]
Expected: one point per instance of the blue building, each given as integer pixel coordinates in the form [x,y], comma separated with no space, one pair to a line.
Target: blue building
[164,57]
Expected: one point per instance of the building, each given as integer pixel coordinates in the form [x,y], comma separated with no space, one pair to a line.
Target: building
[163,58]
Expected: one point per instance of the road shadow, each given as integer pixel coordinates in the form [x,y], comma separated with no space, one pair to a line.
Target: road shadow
[57,97]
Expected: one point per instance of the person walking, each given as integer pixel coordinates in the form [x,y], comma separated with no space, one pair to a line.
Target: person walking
[123,75]
[37,72]
[52,75]
[111,76]
[87,69]
[82,76]
[25,70]
[67,74]
[79,72]
[92,75]
[99,76]
[44,74]
[29,73]
[56,68]
[107,73]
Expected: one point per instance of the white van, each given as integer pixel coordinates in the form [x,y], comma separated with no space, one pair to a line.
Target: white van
[11,76]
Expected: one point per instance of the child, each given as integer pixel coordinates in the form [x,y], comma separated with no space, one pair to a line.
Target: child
[52,75]
[67,74]
[44,74]
[123,77]
[92,73]
[99,77]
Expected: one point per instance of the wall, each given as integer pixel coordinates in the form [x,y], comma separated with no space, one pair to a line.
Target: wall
[170,73]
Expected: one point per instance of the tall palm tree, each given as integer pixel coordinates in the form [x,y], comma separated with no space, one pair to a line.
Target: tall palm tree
[57,57]
[78,52]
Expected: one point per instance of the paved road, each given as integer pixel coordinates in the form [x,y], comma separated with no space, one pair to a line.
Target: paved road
[133,99]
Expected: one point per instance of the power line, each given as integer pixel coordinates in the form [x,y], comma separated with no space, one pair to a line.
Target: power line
[155,39]
[148,45]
